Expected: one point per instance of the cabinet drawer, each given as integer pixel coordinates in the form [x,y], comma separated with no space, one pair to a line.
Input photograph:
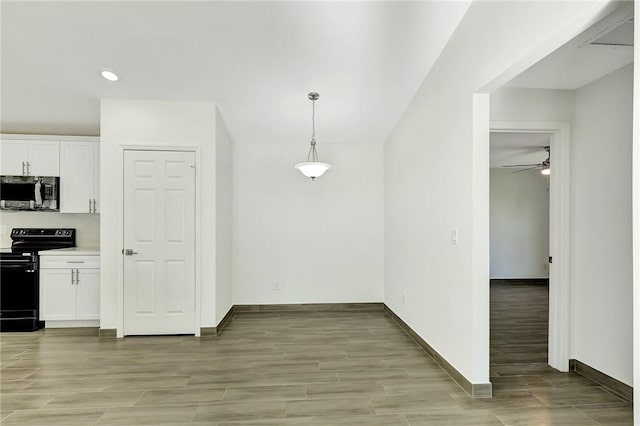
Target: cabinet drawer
[77,262]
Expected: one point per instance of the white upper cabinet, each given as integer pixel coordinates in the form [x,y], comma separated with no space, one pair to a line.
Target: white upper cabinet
[44,158]
[79,177]
[29,157]
[13,157]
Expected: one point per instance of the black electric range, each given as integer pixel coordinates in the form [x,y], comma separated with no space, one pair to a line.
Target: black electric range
[19,275]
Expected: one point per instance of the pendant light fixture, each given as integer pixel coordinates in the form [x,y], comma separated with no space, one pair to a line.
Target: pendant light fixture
[313,168]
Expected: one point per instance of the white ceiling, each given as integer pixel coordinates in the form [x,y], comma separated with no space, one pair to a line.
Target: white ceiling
[256,60]
[577,62]
[570,67]
[518,148]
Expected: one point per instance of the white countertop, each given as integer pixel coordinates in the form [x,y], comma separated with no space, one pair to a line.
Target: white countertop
[72,251]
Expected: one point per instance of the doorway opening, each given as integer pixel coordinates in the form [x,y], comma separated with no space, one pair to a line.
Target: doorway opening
[559,185]
[519,252]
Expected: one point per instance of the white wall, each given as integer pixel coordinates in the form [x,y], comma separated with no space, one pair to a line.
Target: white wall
[519,224]
[508,104]
[142,123]
[602,246]
[437,176]
[224,219]
[87,225]
[322,240]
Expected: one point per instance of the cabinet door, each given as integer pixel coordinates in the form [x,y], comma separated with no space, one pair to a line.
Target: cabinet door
[88,294]
[13,157]
[44,158]
[96,177]
[57,295]
[76,176]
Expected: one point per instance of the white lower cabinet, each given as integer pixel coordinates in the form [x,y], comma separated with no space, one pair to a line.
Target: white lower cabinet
[88,294]
[70,291]
[57,295]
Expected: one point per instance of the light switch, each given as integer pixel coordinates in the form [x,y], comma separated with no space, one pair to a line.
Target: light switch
[454,236]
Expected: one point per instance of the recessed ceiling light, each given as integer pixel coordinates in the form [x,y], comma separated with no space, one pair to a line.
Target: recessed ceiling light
[109,75]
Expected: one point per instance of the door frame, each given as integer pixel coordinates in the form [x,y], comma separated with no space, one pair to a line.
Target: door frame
[198,241]
[560,276]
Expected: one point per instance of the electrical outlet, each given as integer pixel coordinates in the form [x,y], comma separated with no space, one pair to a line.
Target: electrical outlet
[454,236]
[276,285]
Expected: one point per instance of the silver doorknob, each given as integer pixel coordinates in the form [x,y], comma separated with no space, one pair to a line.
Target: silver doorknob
[129,252]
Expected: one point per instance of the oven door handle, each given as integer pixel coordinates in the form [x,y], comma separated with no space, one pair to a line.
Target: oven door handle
[28,267]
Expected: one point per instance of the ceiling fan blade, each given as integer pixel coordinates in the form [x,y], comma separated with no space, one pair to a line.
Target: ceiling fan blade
[523,165]
[524,170]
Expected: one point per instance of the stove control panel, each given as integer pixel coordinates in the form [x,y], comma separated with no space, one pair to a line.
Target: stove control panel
[42,232]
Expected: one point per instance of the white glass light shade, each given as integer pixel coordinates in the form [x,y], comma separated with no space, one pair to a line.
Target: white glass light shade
[313,169]
[546,171]
[109,75]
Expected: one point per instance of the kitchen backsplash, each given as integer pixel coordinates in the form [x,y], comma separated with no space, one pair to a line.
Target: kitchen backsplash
[87,225]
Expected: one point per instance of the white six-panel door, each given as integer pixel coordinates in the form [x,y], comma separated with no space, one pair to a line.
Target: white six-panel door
[159,231]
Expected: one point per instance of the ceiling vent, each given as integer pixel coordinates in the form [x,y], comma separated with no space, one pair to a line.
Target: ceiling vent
[617,32]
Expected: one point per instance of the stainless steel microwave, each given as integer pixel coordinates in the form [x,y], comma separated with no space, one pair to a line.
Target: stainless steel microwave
[40,193]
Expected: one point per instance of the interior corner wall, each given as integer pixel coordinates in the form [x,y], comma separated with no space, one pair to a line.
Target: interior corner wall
[224,219]
[601,265]
[298,241]
[602,308]
[519,224]
[126,123]
[432,282]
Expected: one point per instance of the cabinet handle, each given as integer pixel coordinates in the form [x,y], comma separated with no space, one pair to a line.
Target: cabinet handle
[75,261]
[77,276]
[23,168]
[28,168]
[94,206]
[90,206]
[72,280]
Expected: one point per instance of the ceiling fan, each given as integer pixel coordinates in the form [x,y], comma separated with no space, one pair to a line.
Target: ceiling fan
[545,166]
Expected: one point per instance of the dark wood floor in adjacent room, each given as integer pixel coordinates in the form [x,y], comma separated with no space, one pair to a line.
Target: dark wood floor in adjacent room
[519,369]
[296,368]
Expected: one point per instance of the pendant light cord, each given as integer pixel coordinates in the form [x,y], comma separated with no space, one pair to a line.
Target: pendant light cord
[313,154]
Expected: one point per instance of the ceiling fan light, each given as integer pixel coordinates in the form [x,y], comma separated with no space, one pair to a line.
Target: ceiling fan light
[313,169]
[109,75]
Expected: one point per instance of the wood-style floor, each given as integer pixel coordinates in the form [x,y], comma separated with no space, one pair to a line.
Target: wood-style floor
[310,368]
